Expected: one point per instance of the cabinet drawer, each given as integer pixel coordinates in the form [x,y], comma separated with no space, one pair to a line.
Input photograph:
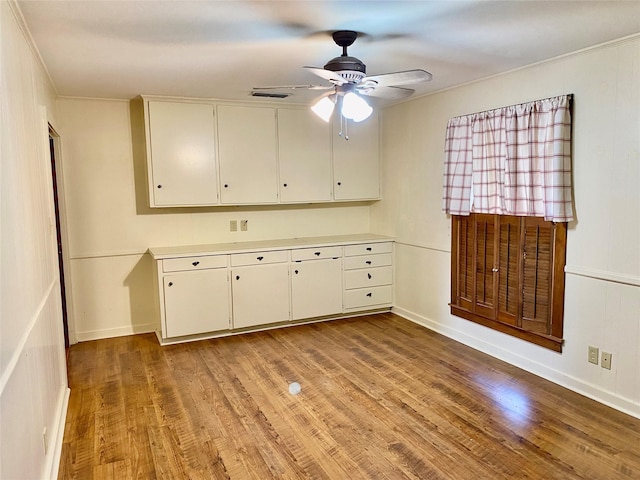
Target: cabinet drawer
[368,277]
[315,253]
[367,261]
[367,249]
[257,258]
[194,263]
[368,297]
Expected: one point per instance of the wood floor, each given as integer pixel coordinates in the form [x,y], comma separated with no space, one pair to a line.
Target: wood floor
[381,398]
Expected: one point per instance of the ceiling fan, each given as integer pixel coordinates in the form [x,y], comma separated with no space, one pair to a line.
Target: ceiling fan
[350,82]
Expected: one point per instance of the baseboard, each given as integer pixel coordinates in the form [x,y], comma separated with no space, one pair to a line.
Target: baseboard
[568,381]
[115,332]
[53,462]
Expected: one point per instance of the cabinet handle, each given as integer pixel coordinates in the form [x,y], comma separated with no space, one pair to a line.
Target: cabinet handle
[284,184]
[296,272]
[368,262]
[339,183]
[170,284]
[159,186]
[369,275]
[195,264]
[317,254]
[494,270]
[237,277]
[226,185]
[368,249]
[369,294]
[260,258]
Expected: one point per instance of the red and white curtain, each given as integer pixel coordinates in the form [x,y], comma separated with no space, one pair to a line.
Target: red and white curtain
[513,160]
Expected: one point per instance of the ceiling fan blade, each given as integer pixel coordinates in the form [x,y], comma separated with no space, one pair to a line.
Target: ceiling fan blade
[327,75]
[399,78]
[293,87]
[391,93]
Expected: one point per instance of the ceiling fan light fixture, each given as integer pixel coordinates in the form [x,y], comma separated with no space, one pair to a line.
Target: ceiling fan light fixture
[324,107]
[355,108]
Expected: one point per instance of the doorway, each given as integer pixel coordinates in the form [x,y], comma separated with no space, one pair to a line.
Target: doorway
[53,149]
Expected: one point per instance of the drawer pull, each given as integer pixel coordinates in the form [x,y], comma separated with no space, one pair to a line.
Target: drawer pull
[369,275]
[195,264]
[260,258]
[317,254]
[369,294]
[237,277]
[368,262]
[159,186]
[368,249]
[170,284]
[296,272]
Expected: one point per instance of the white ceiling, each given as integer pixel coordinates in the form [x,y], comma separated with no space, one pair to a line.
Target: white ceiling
[221,49]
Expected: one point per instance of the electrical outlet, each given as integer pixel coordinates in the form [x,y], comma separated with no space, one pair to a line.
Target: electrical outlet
[606,360]
[593,354]
[233,225]
[243,225]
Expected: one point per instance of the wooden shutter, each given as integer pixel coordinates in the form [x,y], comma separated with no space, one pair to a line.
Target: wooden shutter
[509,255]
[485,244]
[508,274]
[536,275]
[465,263]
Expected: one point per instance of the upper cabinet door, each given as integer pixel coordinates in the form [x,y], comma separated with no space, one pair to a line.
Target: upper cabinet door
[356,164]
[182,156]
[304,147]
[247,155]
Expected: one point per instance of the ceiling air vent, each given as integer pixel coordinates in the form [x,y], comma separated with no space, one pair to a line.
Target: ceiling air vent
[270,95]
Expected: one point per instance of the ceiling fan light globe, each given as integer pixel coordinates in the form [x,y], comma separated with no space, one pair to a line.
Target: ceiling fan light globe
[324,108]
[355,107]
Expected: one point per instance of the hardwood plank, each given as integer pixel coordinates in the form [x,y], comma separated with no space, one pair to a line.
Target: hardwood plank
[381,398]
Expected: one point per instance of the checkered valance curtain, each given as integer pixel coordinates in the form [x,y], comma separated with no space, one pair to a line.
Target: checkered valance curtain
[513,160]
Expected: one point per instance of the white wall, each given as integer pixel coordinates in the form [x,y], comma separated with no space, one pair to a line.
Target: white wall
[111,227]
[33,381]
[602,300]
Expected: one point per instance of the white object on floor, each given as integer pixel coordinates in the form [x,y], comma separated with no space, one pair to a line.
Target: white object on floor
[294,388]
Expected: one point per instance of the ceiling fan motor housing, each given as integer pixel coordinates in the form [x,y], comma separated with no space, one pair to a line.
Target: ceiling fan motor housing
[349,68]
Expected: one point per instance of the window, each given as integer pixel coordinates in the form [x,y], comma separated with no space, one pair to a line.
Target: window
[507,273]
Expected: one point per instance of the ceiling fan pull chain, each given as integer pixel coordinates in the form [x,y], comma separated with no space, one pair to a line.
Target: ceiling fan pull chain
[344,128]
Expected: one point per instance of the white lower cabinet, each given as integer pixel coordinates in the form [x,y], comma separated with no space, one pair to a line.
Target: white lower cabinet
[368,276]
[316,288]
[195,302]
[215,290]
[260,294]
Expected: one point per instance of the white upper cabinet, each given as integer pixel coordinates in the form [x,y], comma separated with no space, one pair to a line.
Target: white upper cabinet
[304,148]
[247,155]
[356,164]
[182,154]
[204,154]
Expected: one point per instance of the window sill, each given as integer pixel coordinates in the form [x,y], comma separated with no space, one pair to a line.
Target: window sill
[546,341]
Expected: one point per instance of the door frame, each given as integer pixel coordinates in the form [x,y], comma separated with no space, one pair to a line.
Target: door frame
[57,180]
